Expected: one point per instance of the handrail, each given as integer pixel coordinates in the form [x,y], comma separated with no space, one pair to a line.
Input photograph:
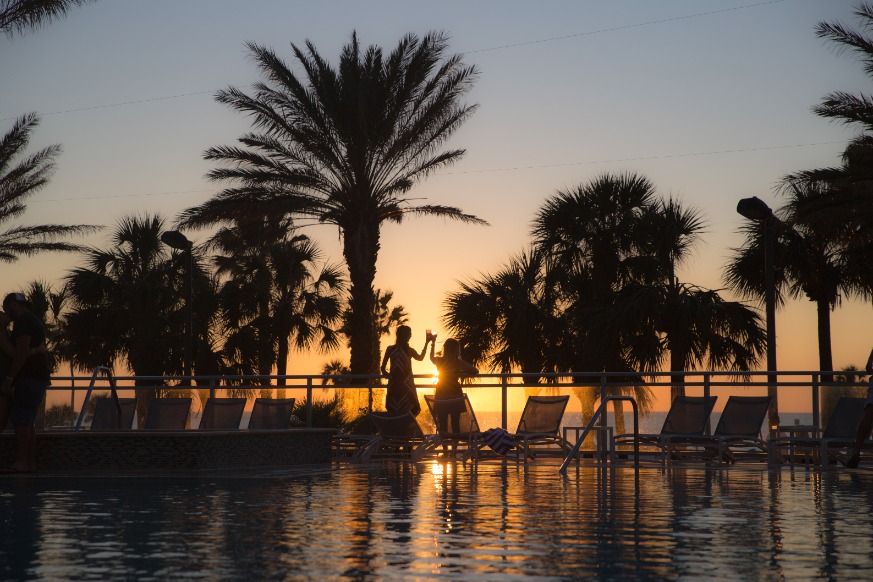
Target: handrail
[594,418]
[111,379]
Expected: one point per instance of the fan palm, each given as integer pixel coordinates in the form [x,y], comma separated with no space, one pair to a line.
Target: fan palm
[19,181]
[590,238]
[508,321]
[344,146]
[274,292]
[618,247]
[695,326]
[126,306]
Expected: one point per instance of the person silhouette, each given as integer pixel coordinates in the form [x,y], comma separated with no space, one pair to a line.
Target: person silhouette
[26,379]
[451,368]
[866,420]
[402,396]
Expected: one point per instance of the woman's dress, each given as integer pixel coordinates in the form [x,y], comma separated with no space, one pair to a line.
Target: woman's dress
[402,396]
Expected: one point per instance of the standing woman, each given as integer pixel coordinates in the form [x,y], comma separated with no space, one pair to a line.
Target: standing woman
[451,368]
[402,396]
[26,380]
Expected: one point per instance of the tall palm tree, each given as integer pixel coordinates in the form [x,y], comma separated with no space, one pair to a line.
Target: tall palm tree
[809,261]
[274,292]
[344,146]
[20,180]
[21,15]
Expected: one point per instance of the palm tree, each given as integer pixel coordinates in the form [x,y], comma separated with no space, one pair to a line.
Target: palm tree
[124,305]
[19,181]
[21,15]
[590,237]
[617,248]
[274,293]
[344,146]
[694,325]
[809,261]
[851,185]
[508,321]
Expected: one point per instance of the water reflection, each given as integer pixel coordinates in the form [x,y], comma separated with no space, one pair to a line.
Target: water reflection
[407,521]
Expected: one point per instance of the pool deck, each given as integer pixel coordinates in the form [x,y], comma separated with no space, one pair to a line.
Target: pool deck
[182,452]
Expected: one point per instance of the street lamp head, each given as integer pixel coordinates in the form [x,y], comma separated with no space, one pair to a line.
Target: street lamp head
[176,240]
[754,208]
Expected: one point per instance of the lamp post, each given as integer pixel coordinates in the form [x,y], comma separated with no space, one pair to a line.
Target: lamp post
[176,240]
[756,209]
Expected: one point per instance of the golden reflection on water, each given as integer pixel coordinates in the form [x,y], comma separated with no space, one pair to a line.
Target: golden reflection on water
[453,520]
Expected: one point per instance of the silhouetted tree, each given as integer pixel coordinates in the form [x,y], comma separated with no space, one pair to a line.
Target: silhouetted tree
[274,293]
[344,146]
[22,15]
[18,181]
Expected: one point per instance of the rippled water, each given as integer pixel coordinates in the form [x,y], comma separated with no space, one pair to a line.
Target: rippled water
[496,521]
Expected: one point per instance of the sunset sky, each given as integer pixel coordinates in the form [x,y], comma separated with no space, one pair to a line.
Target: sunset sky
[709,99]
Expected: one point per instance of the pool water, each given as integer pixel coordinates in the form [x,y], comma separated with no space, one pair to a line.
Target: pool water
[401,521]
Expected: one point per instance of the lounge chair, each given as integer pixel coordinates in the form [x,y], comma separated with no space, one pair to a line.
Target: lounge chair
[106,414]
[222,414]
[465,438]
[687,417]
[839,433]
[271,413]
[738,427]
[397,437]
[168,414]
[540,424]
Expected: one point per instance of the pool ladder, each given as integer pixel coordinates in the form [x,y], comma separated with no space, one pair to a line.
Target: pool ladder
[598,415]
[113,394]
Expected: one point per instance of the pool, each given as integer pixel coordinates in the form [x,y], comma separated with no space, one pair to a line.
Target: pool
[401,521]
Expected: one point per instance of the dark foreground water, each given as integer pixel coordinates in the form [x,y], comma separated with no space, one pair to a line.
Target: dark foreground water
[399,521]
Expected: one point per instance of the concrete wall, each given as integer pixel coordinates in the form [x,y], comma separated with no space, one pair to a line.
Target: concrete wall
[191,451]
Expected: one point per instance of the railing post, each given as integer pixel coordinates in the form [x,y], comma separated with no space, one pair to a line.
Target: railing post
[309,402]
[504,400]
[816,412]
[706,389]
[603,420]
[369,395]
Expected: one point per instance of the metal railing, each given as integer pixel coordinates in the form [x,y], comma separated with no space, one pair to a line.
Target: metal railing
[606,383]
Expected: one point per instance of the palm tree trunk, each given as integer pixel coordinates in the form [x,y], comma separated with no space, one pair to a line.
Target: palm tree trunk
[677,380]
[619,417]
[587,396]
[360,249]
[282,358]
[825,356]
[265,342]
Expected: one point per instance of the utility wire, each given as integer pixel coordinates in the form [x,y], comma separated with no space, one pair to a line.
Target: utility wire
[624,27]
[660,157]
[509,169]
[526,43]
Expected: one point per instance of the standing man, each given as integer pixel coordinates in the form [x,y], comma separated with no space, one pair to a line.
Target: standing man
[26,379]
